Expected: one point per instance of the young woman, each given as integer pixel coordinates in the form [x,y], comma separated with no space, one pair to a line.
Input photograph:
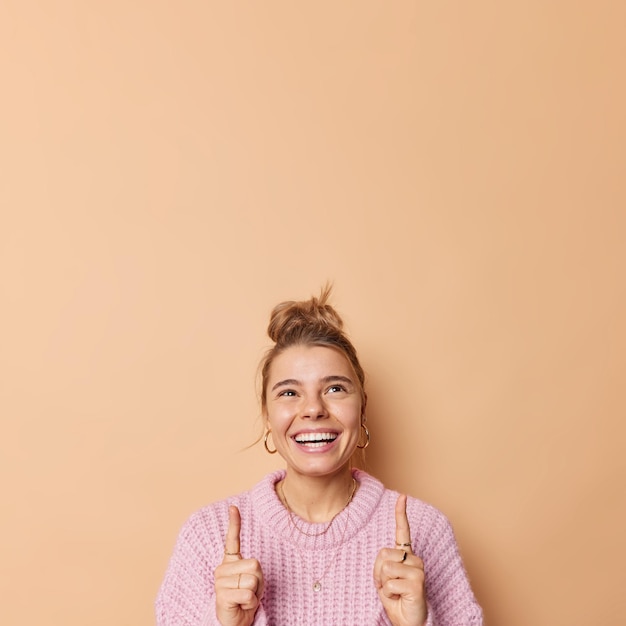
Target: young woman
[318,543]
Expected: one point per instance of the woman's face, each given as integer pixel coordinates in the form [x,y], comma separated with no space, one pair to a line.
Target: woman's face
[314,409]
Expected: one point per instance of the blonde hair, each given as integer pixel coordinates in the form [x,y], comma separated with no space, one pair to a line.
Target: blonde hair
[311,322]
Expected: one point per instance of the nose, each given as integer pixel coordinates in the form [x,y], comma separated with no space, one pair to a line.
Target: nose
[314,408]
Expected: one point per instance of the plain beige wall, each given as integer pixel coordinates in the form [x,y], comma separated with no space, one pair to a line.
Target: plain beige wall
[170,171]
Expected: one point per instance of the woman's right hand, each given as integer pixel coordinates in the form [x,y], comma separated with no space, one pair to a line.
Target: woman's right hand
[238,581]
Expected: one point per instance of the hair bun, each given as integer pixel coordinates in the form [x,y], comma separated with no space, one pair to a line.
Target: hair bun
[289,319]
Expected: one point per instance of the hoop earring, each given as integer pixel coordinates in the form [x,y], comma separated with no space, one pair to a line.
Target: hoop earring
[367,435]
[267,434]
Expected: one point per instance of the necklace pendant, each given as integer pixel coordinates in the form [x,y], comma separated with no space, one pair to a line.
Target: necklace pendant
[317,586]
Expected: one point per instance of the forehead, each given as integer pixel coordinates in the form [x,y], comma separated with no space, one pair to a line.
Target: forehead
[306,361]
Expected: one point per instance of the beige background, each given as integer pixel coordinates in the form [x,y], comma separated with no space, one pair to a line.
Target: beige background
[170,171]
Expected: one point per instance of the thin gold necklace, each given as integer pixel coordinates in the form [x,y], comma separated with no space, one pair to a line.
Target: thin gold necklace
[292,517]
[317,581]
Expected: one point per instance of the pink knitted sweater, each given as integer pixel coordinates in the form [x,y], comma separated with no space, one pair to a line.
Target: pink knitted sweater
[342,559]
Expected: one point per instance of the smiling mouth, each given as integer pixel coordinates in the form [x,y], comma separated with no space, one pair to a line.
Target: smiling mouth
[315,440]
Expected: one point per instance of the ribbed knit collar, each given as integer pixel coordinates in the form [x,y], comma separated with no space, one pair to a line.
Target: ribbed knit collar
[270,511]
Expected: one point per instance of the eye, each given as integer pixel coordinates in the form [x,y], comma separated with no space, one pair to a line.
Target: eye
[287,393]
[336,388]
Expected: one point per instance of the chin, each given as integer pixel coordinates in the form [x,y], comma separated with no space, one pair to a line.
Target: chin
[321,470]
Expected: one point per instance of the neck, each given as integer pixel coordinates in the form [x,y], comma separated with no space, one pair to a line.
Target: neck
[316,499]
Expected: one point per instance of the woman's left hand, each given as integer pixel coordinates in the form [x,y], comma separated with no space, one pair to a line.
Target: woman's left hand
[399,576]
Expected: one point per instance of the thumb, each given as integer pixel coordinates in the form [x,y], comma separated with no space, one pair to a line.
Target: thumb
[403,530]
[231,546]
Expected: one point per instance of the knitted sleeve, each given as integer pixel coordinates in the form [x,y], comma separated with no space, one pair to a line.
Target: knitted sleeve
[450,598]
[187,594]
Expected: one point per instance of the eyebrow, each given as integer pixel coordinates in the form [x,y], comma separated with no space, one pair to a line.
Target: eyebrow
[287,381]
[326,379]
[343,379]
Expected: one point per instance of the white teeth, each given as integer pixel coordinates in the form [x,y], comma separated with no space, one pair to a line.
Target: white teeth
[315,444]
[315,437]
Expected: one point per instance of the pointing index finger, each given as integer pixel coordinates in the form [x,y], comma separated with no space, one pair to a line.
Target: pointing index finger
[232,546]
[403,530]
